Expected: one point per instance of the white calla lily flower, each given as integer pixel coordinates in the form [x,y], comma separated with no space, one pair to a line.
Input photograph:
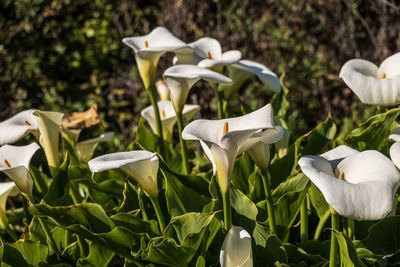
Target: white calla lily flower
[162,90]
[168,116]
[395,148]
[86,148]
[222,140]
[14,161]
[49,123]
[14,128]
[243,70]
[366,186]
[373,85]
[236,249]
[7,189]
[142,165]
[149,48]
[181,78]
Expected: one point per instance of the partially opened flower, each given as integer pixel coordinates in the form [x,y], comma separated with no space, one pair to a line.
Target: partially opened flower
[7,189]
[168,116]
[14,128]
[359,185]
[181,78]
[142,165]
[162,90]
[49,123]
[244,69]
[14,161]
[86,148]
[222,140]
[236,249]
[149,48]
[373,85]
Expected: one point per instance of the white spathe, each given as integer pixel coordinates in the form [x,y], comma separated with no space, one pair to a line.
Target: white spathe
[243,70]
[181,78]
[168,116]
[7,189]
[395,148]
[222,147]
[149,48]
[86,148]
[14,128]
[371,180]
[142,165]
[14,161]
[236,249]
[373,85]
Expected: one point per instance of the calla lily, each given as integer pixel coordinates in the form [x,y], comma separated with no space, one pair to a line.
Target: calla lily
[373,85]
[367,184]
[49,123]
[7,189]
[395,148]
[236,249]
[86,148]
[162,90]
[14,161]
[207,53]
[181,78]
[222,140]
[168,116]
[142,165]
[14,128]
[149,48]
[244,69]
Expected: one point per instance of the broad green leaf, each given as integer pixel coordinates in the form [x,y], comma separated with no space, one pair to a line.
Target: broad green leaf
[298,257]
[23,253]
[40,180]
[314,247]
[243,168]
[242,204]
[348,254]
[130,199]
[318,201]
[129,221]
[98,256]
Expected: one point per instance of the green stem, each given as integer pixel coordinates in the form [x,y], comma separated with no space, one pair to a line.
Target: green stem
[270,203]
[185,162]
[152,94]
[226,202]
[157,209]
[12,234]
[303,221]
[350,228]
[49,236]
[225,110]
[321,225]
[74,194]
[220,99]
[334,256]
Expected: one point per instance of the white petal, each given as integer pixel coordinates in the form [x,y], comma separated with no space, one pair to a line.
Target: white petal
[236,249]
[209,155]
[395,153]
[228,58]
[268,136]
[141,165]
[336,155]
[260,154]
[204,45]
[361,77]
[14,128]
[6,189]
[86,148]
[390,66]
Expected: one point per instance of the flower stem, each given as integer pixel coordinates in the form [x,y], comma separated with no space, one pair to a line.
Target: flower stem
[350,228]
[303,221]
[226,202]
[159,214]
[333,257]
[270,203]
[321,225]
[185,162]
[220,98]
[152,94]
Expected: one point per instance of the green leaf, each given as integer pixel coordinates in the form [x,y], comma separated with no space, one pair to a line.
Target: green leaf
[279,101]
[130,199]
[298,257]
[23,253]
[244,167]
[98,256]
[318,200]
[242,204]
[348,254]
[40,180]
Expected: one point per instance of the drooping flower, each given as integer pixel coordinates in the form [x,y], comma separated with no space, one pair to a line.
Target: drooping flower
[236,249]
[149,48]
[373,85]
[142,165]
[7,189]
[244,69]
[86,148]
[14,161]
[359,185]
[168,116]
[14,128]
[181,78]
[222,140]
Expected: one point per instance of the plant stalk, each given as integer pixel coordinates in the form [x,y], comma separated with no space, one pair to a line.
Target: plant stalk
[153,98]
[350,228]
[226,202]
[270,203]
[159,214]
[220,98]
[334,255]
[303,221]
[185,162]
[321,225]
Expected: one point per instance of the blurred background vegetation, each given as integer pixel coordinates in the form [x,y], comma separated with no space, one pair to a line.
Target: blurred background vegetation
[65,55]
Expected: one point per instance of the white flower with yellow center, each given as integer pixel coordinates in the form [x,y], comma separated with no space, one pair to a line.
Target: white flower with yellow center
[16,127]
[359,185]
[374,85]
[236,249]
[15,161]
[222,140]
[7,189]
[168,116]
